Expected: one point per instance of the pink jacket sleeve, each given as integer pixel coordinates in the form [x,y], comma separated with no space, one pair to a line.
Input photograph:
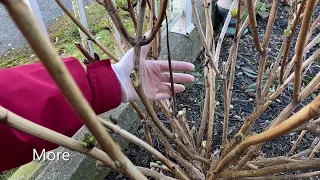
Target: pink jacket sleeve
[30,92]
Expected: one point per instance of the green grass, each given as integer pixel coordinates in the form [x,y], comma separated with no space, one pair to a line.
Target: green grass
[64,33]
[7,174]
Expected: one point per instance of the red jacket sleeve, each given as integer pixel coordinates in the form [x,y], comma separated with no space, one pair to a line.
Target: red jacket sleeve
[30,92]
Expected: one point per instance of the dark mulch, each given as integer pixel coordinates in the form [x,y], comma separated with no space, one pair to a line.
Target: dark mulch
[243,102]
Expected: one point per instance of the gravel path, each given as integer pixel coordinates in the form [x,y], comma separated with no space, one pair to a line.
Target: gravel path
[10,37]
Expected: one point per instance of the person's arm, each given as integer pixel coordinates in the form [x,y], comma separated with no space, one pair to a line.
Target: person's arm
[30,92]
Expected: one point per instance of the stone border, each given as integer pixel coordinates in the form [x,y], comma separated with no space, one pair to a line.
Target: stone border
[183,48]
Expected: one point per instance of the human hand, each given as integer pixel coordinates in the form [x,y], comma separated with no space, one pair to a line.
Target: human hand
[154,76]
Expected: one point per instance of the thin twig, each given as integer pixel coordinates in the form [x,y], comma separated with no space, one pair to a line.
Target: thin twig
[263,56]
[84,52]
[115,40]
[288,39]
[300,165]
[132,14]
[116,19]
[306,49]
[143,122]
[170,70]
[85,31]
[297,142]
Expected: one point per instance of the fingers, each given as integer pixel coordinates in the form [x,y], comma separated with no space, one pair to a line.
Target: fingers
[176,65]
[177,78]
[166,88]
[165,92]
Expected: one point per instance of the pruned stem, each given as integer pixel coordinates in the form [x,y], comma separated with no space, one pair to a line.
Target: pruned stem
[297,142]
[288,39]
[85,31]
[205,113]
[212,107]
[226,108]
[253,26]
[143,122]
[300,46]
[41,45]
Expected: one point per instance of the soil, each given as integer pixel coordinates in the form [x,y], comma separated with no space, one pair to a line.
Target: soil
[243,101]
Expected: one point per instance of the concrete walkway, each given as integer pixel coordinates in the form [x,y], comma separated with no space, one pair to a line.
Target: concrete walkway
[10,37]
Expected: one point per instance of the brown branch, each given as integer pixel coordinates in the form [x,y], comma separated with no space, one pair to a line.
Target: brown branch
[116,19]
[85,31]
[253,26]
[203,39]
[14,121]
[300,46]
[165,131]
[306,49]
[297,142]
[265,162]
[226,108]
[157,26]
[154,174]
[143,122]
[193,172]
[28,25]
[300,165]
[273,72]
[314,151]
[205,112]
[130,137]
[84,52]
[132,14]
[311,87]
[115,40]
[263,56]
[212,106]
[305,114]
[234,54]
[284,177]
[288,39]
[170,70]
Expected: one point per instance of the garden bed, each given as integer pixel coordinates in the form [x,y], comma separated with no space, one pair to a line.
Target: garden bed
[243,97]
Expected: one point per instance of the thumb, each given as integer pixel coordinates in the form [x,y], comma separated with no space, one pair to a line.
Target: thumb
[145,49]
